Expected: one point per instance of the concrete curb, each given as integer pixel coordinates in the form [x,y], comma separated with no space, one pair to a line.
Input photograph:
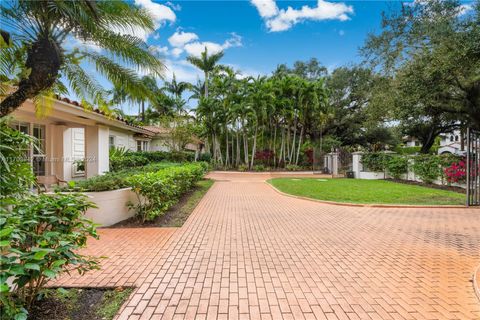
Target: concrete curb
[346,204]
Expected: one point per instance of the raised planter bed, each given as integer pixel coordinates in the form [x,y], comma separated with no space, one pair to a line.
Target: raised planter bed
[111,206]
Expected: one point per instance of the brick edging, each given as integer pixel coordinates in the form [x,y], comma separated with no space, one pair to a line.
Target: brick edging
[373,205]
[476,282]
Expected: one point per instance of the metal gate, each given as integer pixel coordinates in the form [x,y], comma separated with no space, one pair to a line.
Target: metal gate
[473,167]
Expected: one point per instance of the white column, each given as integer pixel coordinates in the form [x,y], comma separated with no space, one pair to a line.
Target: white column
[357,163]
[335,163]
[57,151]
[96,150]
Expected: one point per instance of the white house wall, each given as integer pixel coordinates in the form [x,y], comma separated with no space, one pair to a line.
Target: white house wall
[124,139]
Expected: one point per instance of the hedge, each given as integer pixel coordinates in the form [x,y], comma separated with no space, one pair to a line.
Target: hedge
[160,190]
[120,161]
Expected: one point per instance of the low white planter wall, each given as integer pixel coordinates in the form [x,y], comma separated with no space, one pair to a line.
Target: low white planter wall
[112,206]
[370,175]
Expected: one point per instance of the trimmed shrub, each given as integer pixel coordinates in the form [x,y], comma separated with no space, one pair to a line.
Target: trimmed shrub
[120,161]
[158,191]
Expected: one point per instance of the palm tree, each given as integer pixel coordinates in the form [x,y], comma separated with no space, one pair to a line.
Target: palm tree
[206,63]
[120,95]
[38,30]
[176,88]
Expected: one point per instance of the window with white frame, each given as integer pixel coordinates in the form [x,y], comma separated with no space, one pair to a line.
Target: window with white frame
[36,152]
[142,145]
[111,142]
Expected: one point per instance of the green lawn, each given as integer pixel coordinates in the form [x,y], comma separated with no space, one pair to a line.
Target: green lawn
[366,191]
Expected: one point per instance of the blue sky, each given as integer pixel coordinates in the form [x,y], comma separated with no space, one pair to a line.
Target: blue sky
[257,35]
[253,44]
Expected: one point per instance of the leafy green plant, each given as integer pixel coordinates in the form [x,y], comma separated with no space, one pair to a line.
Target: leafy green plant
[375,161]
[158,191]
[292,167]
[242,168]
[428,167]
[39,239]
[15,171]
[259,168]
[396,166]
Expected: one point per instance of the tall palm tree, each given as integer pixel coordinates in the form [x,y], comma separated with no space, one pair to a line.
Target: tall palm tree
[37,30]
[206,63]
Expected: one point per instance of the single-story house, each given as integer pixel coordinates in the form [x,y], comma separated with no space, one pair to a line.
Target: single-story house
[162,140]
[74,142]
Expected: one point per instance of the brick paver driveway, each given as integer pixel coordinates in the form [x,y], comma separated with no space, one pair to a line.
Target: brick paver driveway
[249,252]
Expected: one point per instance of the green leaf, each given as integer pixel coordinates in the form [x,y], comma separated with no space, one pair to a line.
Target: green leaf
[21,316]
[5,232]
[39,255]
[4,243]
[49,273]
[32,266]
[58,263]
[4,287]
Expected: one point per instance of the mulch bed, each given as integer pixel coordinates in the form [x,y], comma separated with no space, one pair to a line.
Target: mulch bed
[430,185]
[82,304]
[169,219]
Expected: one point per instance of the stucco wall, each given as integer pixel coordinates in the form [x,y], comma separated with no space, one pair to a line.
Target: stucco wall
[112,206]
[124,139]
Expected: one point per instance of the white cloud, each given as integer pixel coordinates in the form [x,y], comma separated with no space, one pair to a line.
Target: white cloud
[180,38]
[160,13]
[183,71]
[283,19]
[266,8]
[72,42]
[464,9]
[158,50]
[174,6]
[196,48]
[176,52]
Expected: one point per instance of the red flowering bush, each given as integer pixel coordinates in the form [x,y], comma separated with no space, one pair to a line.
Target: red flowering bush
[457,171]
[264,156]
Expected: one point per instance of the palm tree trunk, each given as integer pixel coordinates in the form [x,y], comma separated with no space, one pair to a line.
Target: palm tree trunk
[254,146]
[282,147]
[227,158]
[274,145]
[238,149]
[299,145]
[206,85]
[292,149]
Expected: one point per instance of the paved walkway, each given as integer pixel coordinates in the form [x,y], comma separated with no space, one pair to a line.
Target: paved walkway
[248,252]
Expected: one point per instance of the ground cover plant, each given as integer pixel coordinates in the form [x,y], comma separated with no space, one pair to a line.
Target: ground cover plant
[367,191]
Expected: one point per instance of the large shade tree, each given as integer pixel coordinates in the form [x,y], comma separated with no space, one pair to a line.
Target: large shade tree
[35,59]
[430,54]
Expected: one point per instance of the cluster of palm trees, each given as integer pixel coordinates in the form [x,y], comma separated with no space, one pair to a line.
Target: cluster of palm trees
[244,116]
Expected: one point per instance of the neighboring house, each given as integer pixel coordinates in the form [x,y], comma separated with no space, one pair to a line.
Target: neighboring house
[162,141]
[453,143]
[74,142]
[410,141]
[449,143]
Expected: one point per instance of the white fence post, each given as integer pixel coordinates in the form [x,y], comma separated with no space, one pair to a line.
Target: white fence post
[357,163]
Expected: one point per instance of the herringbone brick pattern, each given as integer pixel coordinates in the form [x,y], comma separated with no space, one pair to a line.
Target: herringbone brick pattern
[248,252]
